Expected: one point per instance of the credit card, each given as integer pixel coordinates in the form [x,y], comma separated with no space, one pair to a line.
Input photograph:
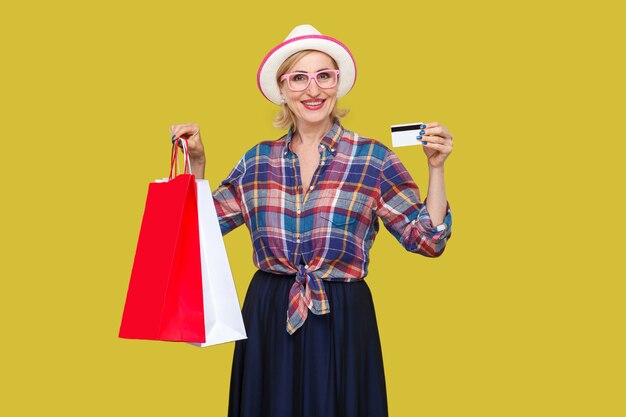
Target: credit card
[406,134]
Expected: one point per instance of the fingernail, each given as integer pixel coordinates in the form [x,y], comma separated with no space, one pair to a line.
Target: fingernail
[419,137]
[421,132]
[424,143]
[422,126]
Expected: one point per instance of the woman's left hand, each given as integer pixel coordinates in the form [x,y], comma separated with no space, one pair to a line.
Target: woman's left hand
[438,144]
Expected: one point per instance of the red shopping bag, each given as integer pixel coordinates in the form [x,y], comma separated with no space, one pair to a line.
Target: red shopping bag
[164,298]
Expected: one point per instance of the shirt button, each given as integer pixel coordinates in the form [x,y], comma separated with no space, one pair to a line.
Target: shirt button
[322,163]
[306,267]
[332,149]
[298,211]
[297,240]
[311,187]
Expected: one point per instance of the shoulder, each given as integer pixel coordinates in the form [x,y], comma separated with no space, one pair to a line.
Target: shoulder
[266,149]
[359,145]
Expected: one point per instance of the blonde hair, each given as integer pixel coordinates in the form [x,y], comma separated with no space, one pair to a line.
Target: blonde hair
[286,119]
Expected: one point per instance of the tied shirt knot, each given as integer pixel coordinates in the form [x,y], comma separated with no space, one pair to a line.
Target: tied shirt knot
[307,293]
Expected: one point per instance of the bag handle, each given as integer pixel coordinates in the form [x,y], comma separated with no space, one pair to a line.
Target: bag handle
[174,167]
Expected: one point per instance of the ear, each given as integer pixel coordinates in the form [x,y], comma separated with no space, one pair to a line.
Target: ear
[283,99]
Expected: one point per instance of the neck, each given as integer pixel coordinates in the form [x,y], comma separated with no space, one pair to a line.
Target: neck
[312,134]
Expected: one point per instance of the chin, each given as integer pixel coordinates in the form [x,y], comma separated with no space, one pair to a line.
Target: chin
[315,119]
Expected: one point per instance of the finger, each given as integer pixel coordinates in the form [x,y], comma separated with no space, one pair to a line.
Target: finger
[445,149]
[174,129]
[193,136]
[176,139]
[183,126]
[179,136]
[438,131]
[193,129]
[435,139]
[184,131]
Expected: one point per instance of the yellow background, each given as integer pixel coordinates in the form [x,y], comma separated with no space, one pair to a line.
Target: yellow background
[523,315]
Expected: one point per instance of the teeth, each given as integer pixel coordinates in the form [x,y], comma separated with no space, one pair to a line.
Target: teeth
[312,103]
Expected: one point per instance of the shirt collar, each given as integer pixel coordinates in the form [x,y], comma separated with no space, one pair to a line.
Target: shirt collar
[330,141]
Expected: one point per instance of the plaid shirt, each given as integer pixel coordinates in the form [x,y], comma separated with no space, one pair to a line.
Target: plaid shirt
[326,231]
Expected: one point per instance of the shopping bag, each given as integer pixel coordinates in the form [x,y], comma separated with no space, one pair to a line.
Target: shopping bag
[222,314]
[164,298]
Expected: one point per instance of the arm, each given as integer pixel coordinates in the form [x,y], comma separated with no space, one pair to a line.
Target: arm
[227,200]
[436,199]
[225,197]
[438,143]
[197,166]
[405,216]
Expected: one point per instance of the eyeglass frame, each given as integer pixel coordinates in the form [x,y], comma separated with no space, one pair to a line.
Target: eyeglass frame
[311,76]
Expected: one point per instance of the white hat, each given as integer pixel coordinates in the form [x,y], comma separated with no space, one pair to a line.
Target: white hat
[305,37]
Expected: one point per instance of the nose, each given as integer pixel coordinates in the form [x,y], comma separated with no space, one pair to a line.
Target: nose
[313,89]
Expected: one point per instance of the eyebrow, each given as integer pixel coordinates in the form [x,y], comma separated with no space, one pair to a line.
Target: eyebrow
[314,71]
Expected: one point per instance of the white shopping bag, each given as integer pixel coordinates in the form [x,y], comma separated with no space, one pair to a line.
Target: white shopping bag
[222,313]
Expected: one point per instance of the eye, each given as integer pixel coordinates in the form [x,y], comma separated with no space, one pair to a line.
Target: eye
[324,75]
[298,77]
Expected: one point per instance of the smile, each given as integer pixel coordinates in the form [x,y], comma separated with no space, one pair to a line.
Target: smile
[313,104]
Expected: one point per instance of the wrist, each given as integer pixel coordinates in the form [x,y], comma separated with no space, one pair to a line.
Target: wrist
[435,169]
[198,159]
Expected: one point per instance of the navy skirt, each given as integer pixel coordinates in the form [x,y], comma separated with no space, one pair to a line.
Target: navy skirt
[332,366]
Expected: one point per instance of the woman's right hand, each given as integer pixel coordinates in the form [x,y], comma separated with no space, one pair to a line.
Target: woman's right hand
[191,132]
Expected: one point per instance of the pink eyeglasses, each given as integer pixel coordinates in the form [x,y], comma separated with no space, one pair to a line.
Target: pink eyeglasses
[299,81]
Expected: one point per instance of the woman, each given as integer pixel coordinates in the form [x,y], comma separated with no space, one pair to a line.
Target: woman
[311,200]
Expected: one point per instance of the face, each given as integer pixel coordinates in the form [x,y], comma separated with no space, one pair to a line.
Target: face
[314,105]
